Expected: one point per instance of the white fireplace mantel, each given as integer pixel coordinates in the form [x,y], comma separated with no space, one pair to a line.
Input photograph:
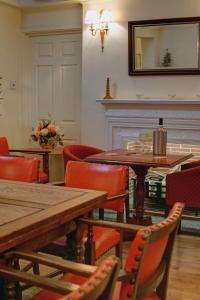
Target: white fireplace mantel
[126,119]
[152,101]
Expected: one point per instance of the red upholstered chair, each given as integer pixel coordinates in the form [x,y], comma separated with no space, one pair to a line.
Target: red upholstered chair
[146,271]
[78,152]
[184,186]
[108,178]
[99,285]
[4,150]
[19,168]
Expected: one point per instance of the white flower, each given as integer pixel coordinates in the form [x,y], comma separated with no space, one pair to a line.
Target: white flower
[44,131]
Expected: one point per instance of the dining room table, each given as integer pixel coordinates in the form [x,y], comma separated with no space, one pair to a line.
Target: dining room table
[139,162]
[33,215]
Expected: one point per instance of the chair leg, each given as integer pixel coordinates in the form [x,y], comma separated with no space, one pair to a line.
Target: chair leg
[90,247]
[179,228]
[119,249]
[167,209]
[120,217]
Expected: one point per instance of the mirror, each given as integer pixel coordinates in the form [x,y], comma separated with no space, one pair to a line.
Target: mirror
[169,46]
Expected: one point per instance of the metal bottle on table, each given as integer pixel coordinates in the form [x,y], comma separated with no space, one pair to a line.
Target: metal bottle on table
[160,140]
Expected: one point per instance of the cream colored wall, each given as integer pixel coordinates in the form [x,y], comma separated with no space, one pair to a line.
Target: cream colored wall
[10,49]
[96,66]
[61,17]
[114,62]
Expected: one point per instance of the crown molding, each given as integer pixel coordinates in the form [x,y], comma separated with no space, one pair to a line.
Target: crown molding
[43,3]
[13,3]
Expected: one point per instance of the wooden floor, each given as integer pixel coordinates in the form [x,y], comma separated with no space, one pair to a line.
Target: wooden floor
[184,281]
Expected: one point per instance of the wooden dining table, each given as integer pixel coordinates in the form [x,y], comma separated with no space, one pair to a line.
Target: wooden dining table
[140,163]
[33,215]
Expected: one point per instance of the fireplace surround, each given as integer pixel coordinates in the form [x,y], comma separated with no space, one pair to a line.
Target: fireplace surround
[127,119]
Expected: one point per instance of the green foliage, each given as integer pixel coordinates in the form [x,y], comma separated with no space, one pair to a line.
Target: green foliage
[167,59]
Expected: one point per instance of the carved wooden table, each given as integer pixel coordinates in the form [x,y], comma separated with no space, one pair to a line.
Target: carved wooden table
[140,163]
[33,215]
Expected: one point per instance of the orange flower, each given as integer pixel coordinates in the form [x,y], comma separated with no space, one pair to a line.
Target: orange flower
[52,129]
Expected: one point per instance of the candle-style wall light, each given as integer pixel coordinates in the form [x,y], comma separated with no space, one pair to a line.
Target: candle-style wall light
[98,22]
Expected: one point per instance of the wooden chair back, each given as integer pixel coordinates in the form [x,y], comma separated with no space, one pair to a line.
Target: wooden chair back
[19,168]
[149,258]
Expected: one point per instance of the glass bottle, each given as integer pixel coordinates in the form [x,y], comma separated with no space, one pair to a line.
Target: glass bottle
[160,139]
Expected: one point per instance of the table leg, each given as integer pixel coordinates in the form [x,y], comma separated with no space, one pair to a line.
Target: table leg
[139,218]
[46,163]
[127,204]
[74,245]
[12,289]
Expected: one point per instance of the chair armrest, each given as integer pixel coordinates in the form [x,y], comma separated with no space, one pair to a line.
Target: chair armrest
[57,263]
[54,285]
[114,225]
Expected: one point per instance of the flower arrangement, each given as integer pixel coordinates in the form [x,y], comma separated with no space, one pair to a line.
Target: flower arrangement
[47,133]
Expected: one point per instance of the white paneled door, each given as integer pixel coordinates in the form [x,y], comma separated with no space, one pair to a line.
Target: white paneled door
[56,81]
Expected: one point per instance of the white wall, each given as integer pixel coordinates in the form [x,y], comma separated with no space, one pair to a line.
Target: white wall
[55,17]
[114,61]
[10,35]
[96,66]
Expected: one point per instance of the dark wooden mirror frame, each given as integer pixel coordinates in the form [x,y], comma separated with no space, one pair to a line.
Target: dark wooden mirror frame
[131,47]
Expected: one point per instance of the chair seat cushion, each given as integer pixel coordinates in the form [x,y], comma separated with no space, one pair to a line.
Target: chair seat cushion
[117,290]
[104,239]
[116,205]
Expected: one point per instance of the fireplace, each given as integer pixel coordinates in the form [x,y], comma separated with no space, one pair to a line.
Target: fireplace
[127,119]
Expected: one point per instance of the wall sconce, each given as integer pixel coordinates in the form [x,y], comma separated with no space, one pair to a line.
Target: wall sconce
[98,22]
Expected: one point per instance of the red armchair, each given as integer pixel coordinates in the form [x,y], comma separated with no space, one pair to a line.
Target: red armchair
[184,186]
[146,271]
[108,178]
[19,168]
[99,285]
[78,152]
[4,150]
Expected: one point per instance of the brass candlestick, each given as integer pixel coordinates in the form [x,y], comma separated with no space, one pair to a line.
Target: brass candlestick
[108,96]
